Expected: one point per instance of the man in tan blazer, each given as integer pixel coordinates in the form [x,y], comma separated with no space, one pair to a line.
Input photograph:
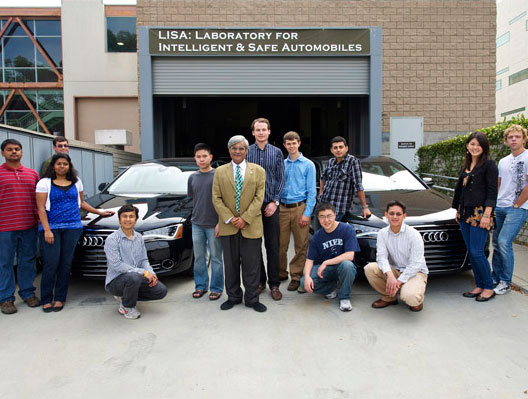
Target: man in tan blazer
[240,223]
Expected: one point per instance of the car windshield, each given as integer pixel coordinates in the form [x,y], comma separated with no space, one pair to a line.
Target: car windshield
[151,178]
[387,176]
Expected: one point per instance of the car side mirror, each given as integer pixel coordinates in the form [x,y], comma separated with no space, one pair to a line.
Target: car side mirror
[101,186]
[428,181]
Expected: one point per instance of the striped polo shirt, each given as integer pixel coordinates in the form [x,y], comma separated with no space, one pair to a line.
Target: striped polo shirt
[272,160]
[18,208]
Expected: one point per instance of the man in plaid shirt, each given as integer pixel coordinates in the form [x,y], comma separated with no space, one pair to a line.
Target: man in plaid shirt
[341,178]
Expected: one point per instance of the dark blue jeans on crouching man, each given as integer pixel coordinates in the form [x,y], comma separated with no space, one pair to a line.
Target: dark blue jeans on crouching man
[56,264]
[133,287]
[343,273]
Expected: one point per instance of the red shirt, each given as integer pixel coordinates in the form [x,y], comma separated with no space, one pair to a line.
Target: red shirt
[18,207]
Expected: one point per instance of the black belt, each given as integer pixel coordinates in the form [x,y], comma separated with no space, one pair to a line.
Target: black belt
[294,205]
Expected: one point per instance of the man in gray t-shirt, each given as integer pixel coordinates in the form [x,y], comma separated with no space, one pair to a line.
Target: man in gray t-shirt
[512,206]
[205,226]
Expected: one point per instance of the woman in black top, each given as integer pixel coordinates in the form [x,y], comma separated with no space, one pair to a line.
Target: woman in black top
[474,199]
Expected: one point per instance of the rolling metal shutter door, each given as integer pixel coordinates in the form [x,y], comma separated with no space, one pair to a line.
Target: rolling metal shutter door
[262,76]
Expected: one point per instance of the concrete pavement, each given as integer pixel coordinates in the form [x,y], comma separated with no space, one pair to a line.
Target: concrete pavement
[303,346]
[520,271]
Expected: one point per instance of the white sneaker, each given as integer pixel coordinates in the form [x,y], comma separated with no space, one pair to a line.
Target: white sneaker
[332,295]
[129,313]
[502,288]
[345,305]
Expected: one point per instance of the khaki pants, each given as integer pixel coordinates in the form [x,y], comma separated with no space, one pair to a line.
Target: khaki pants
[412,292]
[289,223]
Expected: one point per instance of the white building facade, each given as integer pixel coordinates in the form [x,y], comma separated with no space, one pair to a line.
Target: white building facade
[512,59]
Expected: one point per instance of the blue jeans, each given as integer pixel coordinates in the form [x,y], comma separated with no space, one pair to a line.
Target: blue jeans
[509,222]
[475,239]
[203,239]
[23,243]
[344,273]
[56,264]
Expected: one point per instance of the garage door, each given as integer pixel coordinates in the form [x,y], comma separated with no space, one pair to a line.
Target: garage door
[260,76]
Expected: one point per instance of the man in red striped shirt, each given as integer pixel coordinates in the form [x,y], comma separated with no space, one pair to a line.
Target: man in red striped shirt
[18,228]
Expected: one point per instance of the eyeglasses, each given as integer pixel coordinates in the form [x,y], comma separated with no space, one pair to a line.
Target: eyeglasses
[237,149]
[326,217]
[395,214]
[62,146]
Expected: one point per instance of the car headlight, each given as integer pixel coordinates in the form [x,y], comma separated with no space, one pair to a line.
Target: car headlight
[365,231]
[172,232]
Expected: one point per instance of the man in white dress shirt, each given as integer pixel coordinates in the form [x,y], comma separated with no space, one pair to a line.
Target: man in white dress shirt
[400,262]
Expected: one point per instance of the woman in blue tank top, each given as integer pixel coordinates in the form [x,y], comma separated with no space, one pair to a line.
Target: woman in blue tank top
[59,197]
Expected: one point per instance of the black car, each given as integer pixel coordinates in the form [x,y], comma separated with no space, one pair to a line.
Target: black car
[159,189]
[428,211]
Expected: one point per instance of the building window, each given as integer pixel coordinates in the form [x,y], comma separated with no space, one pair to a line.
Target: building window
[49,105]
[518,76]
[21,61]
[513,111]
[31,96]
[503,70]
[518,17]
[121,34]
[498,85]
[503,39]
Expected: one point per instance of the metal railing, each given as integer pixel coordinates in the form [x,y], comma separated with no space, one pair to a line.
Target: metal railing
[451,190]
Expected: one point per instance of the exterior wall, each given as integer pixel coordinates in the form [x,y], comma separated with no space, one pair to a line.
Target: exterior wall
[512,55]
[94,165]
[107,113]
[90,71]
[438,56]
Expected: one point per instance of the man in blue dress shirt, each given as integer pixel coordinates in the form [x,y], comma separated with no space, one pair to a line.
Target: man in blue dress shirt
[297,204]
[129,276]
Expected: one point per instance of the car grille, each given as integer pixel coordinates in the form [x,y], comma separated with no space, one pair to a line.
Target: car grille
[444,247]
[90,258]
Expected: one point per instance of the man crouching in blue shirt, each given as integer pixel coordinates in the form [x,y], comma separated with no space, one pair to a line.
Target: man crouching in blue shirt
[129,276]
[332,251]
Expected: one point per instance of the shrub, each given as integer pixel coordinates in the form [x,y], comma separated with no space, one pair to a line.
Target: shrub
[446,157]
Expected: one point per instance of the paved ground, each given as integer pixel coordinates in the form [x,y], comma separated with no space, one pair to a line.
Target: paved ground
[520,271]
[302,347]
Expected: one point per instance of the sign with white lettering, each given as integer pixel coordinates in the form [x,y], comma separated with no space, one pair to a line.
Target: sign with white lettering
[406,144]
[244,42]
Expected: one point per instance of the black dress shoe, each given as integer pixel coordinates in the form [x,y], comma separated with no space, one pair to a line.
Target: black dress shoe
[259,307]
[470,294]
[483,299]
[228,304]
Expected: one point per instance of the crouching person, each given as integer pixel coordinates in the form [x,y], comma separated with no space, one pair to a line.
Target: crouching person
[400,262]
[330,256]
[130,276]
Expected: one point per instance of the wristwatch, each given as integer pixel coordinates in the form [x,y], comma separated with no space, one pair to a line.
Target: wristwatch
[277,203]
